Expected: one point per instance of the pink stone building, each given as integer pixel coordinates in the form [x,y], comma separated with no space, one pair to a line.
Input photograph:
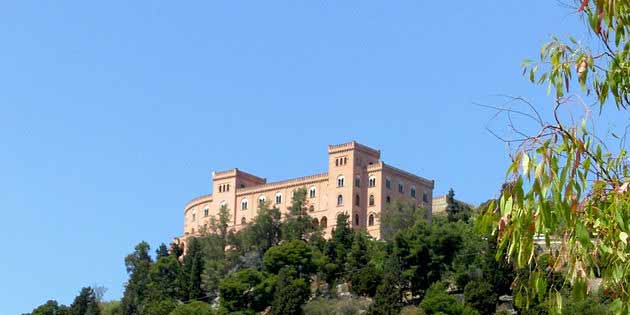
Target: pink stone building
[357,183]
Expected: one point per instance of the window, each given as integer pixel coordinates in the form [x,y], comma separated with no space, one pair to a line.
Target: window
[242,185]
[206,211]
[372,182]
[388,183]
[228,187]
[345,160]
[371,220]
[223,204]
[413,191]
[193,231]
[315,222]
[220,188]
[194,216]
[339,201]
[357,181]
[356,219]
[244,204]
[357,200]
[312,192]
[340,181]
[336,162]
[243,221]
[401,188]
[388,200]
[425,197]
[371,200]
[261,200]
[278,198]
[323,223]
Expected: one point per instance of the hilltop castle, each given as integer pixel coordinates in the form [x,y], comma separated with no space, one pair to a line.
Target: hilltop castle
[357,183]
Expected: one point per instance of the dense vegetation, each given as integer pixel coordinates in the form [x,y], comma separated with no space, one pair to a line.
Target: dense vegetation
[287,267]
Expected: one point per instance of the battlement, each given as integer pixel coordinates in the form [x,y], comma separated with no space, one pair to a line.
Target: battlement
[353,145]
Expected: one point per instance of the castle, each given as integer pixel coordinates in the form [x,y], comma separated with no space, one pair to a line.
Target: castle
[357,183]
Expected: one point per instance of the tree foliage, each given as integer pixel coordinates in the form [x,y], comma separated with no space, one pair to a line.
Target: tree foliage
[567,189]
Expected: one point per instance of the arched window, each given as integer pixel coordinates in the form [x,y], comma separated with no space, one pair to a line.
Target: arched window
[206,211]
[220,188]
[357,181]
[323,222]
[244,204]
[194,214]
[223,204]
[261,200]
[315,222]
[372,181]
[388,199]
[371,201]
[388,183]
[413,191]
[278,198]
[339,201]
[357,200]
[340,181]
[356,219]
[371,220]
[425,197]
[312,192]
[401,188]
[243,221]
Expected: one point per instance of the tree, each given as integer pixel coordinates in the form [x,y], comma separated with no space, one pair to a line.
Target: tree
[51,307]
[426,252]
[565,184]
[247,290]
[456,211]
[192,269]
[193,308]
[138,264]
[162,251]
[291,293]
[479,295]
[438,301]
[265,230]
[388,298]
[365,281]
[298,224]
[220,225]
[85,303]
[166,280]
[337,248]
[399,215]
[296,254]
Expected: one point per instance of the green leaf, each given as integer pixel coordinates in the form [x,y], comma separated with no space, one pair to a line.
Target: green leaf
[623,236]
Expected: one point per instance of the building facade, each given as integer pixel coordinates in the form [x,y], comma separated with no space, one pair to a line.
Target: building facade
[357,183]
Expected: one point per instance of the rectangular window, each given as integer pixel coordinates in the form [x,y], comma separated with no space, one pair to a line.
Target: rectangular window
[357,182]
[388,184]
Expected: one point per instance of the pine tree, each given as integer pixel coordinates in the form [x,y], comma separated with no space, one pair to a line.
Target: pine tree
[162,251]
[138,264]
[298,224]
[193,268]
[291,293]
[388,298]
[85,303]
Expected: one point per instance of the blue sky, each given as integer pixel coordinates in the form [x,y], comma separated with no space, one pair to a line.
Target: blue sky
[113,115]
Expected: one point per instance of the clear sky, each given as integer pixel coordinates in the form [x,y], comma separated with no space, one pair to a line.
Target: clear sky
[114,114]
